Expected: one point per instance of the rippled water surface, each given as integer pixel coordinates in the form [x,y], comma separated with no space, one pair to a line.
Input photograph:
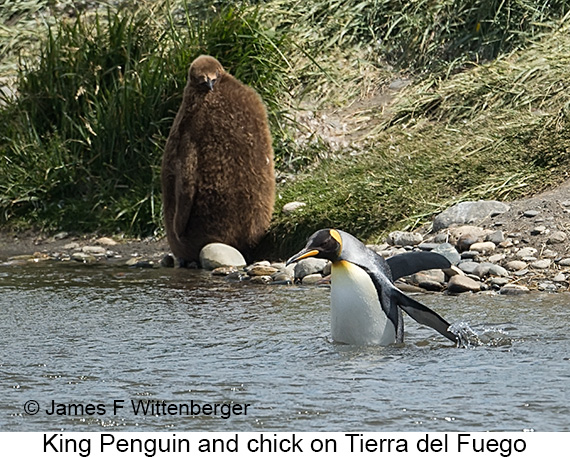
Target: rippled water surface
[81,335]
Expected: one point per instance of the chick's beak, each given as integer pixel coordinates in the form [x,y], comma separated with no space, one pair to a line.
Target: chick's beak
[302,255]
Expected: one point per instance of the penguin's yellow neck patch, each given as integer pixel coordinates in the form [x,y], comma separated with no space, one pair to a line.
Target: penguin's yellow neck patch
[338,239]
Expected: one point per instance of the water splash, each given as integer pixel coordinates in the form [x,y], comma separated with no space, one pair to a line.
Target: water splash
[470,338]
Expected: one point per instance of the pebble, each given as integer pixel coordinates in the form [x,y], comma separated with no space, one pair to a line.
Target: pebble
[531,213]
[538,230]
[483,247]
[404,238]
[94,250]
[215,255]
[516,265]
[460,284]
[448,251]
[309,266]
[565,262]
[557,237]
[291,207]
[311,279]
[261,270]
[526,252]
[541,264]
[514,289]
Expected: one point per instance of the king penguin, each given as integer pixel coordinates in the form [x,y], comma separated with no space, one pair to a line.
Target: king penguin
[365,304]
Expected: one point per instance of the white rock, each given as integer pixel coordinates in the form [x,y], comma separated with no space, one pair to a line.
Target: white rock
[216,255]
[404,238]
[292,207]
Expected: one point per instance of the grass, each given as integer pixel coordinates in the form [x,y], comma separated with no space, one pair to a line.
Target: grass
[95,107]
[484,117]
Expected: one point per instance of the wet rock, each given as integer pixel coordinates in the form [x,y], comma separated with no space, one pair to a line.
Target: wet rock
[264,279]
[291,207]
[261,270]
[404,238]
[468,213]
[449,252]
[557,237]
[282,276]
[224,271]
[94,250]
[311,279]
[459,284]
[215,255]
[167,261]
[106,241]
[431,280]
[309,266]
[83,257]
[514,289]
[541,264]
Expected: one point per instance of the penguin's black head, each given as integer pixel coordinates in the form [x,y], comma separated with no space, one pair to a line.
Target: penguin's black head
[324,244]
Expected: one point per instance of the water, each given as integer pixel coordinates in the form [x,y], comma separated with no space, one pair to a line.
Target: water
[90,335]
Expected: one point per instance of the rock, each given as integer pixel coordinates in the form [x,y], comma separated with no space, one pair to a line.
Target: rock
[496,237]
[490,269]
[291,207]
[531,213]
[309,266]
[264,279]
[106,241]
[514,289]
[94,250]
[468,213]
[460,284]
[261,270]
[565,262]
[547,287]
[498,281]
[431,280]
[496,258]
[427,246]
[468,267]
[224,271]
[560,277]
[404,238]
[167,261]
[449,252]
[484,247]
[557,237]
[538,230]
[282,276]
[215,255]
[311,279]
[465,242]
[83,257]
[526,252]
[541,264]
[71,246]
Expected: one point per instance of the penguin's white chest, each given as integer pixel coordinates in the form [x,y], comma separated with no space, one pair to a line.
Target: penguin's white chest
[356,314]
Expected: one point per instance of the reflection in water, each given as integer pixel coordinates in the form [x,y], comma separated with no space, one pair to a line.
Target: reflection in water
[83,335]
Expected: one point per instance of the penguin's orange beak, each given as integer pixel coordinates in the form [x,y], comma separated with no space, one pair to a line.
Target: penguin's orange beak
[302,255]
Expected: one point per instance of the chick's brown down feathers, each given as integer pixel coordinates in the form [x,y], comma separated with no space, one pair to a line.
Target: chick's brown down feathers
[218,182]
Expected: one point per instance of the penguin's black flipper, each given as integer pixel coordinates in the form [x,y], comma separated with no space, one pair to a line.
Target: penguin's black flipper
[422,314]
[411,262]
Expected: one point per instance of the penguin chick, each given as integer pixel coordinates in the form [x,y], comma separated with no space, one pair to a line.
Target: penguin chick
[365,304]
[217,176]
